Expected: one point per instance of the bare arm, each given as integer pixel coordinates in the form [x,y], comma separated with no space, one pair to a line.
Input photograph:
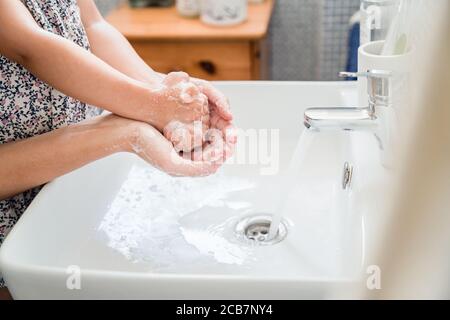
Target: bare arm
[111,46]
[32,162]
[80,74]
[35,161]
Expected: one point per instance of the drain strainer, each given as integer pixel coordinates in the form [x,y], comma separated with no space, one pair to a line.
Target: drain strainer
[255,230]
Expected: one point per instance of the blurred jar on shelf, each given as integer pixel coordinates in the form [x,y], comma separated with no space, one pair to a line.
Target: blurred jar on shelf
[223,12]
[188,8]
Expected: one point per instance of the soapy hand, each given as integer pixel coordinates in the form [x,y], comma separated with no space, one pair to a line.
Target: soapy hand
[218,102]
[153,147]
[222,136]
[213,140]
[178,99]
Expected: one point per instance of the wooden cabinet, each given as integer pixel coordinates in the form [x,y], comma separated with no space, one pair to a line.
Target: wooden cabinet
[168,42]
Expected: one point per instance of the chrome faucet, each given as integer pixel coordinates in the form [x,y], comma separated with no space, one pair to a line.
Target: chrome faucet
[334,118]
[374,117]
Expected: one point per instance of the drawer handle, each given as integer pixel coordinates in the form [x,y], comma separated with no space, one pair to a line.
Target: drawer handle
[208,66]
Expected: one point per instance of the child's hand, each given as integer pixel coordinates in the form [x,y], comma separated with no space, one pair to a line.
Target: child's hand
[218,102]
[198,143]
[150,145]
[177,98]
[213,141]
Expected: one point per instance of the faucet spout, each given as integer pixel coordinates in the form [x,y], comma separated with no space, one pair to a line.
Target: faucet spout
[375,118]
[340,118]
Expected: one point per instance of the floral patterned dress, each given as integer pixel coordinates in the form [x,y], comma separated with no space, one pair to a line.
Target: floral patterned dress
[30,107]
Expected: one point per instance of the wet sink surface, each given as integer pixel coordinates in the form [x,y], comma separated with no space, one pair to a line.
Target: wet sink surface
[135,232]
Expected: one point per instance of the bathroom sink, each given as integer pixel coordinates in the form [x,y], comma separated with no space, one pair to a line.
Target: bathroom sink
[132,232]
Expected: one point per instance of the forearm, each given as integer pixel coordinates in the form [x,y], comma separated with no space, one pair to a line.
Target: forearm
[68,67]
[38,160]
[86,77]
[112,47]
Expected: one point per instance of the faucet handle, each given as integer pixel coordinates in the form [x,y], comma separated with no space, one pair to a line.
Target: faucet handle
[345,74]
[380,74]
[378,85]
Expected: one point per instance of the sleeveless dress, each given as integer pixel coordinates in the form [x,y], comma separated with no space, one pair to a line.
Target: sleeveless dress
[30,107]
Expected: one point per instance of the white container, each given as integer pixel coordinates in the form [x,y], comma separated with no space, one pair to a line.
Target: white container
[188,8]
[224,12]
[370,58]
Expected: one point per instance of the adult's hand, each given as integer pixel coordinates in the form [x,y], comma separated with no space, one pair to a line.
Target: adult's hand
[154,148]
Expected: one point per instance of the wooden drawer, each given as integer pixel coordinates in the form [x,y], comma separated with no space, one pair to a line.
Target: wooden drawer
[228,60]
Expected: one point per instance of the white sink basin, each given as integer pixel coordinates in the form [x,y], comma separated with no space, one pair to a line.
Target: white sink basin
[137,233]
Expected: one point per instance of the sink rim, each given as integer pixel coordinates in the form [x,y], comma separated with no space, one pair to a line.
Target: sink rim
[34,269]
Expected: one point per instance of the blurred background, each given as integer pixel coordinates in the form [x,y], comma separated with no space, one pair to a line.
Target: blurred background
[279,39]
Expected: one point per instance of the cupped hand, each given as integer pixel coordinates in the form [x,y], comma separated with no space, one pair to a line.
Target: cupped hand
[154,148]
[220,122]
[217,101]
[199,141]
[177,98]
[220,140]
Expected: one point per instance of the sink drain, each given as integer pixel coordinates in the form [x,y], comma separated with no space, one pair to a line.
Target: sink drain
[255,230]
